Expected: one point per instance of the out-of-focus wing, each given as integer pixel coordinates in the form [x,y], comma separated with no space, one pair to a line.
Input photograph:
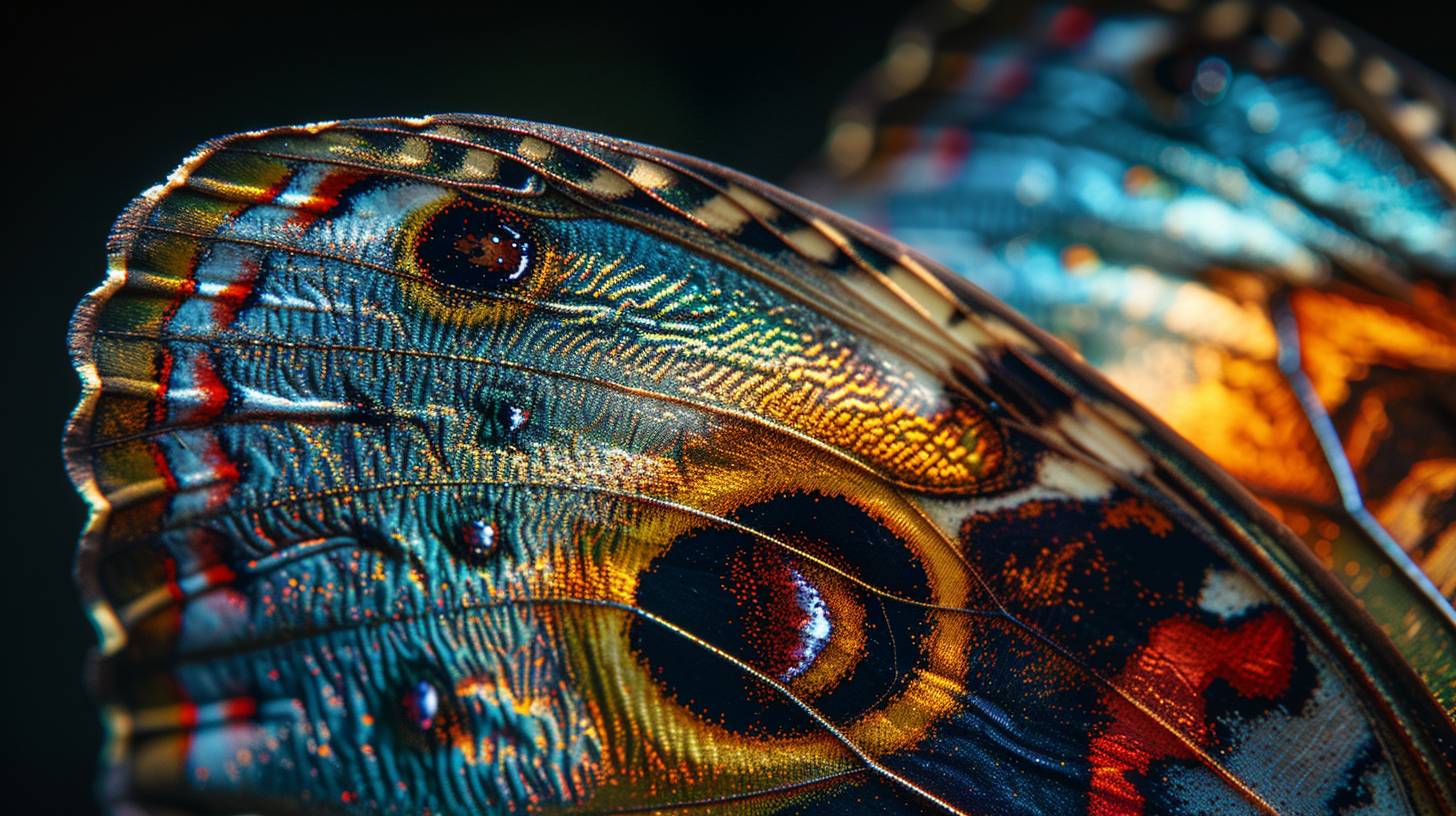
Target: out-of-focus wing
[1239,212]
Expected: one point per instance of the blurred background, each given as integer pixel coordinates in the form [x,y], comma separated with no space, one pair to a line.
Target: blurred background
[102,104]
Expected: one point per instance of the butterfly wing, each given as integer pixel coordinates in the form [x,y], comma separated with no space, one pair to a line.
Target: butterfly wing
[467,465]
[1240,213]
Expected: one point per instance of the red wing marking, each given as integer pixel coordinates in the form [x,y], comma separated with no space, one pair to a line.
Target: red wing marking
[1181,660]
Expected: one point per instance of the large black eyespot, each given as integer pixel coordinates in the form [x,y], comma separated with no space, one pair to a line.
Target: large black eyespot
[475,246]
[789,607]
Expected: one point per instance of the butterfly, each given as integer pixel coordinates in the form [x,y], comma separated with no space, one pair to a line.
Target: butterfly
[463,464]
[1242,214]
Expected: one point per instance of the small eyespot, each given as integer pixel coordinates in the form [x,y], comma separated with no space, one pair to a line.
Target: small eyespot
[475,246]
[480,538]
[421,705]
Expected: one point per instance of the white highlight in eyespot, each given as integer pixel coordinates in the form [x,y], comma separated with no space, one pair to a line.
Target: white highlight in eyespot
[814,634]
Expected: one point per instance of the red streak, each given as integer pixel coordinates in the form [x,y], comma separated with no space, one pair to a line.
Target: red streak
[230,300]
[324,199]
[240,708]
[1174,670]
[214,392]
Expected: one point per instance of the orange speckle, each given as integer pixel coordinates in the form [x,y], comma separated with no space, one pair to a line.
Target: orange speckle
[1079,259]
[1137,178]
[1124,514]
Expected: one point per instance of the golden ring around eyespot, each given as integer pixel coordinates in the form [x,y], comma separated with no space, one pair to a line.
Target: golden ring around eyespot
[724,470]
[463,307]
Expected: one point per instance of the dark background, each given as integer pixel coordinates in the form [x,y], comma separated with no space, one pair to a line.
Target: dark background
[101,104]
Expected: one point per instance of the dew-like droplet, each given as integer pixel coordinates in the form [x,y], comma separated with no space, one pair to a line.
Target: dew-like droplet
[421,705]
[481,538]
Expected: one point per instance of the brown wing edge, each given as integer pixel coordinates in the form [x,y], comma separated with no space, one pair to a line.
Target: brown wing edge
[76,454]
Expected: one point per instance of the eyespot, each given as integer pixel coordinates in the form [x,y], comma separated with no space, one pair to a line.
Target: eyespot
[479,539]
[421,705]
[785,604]
[475,246]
